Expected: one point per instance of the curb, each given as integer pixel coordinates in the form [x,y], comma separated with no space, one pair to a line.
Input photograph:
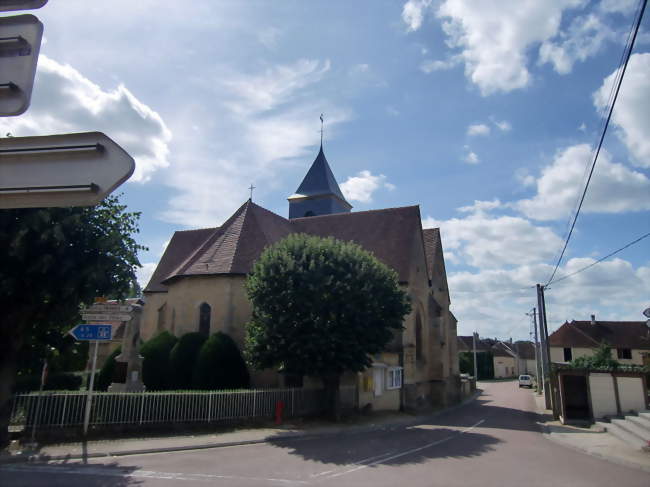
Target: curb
[340,431]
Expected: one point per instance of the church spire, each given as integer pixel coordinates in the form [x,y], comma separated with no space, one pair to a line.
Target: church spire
[319,193]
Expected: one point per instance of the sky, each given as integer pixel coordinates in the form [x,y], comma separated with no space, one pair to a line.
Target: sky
[484,113]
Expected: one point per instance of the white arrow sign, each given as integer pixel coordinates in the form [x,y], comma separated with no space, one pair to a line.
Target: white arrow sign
[106,316]
[60,170]
[109,307]
[20,42]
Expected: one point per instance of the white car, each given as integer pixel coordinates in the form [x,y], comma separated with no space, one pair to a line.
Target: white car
[525,381]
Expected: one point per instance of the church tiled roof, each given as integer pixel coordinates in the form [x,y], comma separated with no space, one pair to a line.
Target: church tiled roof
[432,245]
[181,244]
[234,247]
[618,334]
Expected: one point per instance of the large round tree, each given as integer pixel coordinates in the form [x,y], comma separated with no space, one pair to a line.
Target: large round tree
[52,261]
[321,307]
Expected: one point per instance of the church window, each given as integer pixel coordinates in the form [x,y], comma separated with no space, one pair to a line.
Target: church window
[161,317]
[204,319]
[418,338]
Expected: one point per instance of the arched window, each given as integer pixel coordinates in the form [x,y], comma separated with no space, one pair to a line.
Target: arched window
[418,338]
[204,319]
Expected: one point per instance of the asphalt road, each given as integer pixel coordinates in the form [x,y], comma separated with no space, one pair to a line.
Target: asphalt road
[493,441]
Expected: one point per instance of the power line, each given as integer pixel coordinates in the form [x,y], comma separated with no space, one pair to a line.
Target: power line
[599,260]
[618,83]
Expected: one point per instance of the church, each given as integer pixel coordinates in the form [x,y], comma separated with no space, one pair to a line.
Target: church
[198,285]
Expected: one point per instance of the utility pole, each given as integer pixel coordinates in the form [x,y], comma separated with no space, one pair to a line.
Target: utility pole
[547,348]
[538,362]
[474,337]
[545,364]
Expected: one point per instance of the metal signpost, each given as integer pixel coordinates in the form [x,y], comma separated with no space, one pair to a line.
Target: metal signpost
[95,332]
[60,170]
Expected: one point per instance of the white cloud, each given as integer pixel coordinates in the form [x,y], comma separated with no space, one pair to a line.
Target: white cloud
[470,157]
[494,37]
[481,206]
[583,39]
[582,127]
[524,177]
[269,37]
[491,242]
[503,125]
[618,6]
[144,273]
[478,129]
[413,13]
[614,188]
[267,121]
[429,66]
[64,101]
[263,92]
[632,111]
[363,185]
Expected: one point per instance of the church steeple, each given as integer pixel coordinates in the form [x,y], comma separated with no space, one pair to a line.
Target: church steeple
[319,193]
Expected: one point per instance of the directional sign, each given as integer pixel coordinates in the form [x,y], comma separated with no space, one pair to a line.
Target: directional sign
[646,312]
[60,170]
[20,42]
[106,316]
[6,5]
[101,331]
[109,307]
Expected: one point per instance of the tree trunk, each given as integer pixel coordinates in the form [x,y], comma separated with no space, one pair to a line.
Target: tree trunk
[332,395]
[8,366]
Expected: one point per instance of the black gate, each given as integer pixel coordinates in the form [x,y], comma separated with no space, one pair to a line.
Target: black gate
[576,397]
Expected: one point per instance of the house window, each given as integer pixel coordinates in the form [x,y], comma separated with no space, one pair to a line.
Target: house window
[624,353]
[394,378]
[567,354]
[204,319]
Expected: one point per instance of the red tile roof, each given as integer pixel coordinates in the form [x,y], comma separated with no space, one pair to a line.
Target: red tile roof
[618,334]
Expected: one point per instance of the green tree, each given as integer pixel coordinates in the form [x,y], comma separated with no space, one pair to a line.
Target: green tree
[601,359]
[156,368]
[220,365]
[321,307]
[183,358]
[484,364]
[53,260]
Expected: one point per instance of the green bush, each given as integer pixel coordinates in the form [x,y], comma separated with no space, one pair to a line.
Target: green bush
[183,359]
[105,376]
[156,368]
[55,382]
[220,365]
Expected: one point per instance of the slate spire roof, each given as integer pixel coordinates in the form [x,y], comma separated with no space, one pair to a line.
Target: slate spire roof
[319,180]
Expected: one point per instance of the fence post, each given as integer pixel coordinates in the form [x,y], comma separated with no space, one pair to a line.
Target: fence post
[142,407]
[209,407]
[65,400]
[293,393]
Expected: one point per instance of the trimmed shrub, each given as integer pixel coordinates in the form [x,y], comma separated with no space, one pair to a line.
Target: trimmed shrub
[105,376]
[156,368]
[220,365]
[183,359]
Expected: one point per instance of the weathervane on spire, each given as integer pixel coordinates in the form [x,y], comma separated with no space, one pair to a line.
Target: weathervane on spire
[251,187]
[321,129]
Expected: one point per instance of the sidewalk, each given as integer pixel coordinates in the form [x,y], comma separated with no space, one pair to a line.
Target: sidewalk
[593,441]
[133,446]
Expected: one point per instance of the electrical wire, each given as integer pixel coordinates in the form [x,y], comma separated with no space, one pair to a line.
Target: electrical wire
[618,84]
[598,261]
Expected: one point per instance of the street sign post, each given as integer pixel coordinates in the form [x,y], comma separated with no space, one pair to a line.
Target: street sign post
[92,332]
[60,170]
[107,316]
[20,43]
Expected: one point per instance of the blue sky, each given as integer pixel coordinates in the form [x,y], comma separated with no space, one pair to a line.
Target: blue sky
[482,112]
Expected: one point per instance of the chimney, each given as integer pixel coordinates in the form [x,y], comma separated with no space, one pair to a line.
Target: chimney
[593,319]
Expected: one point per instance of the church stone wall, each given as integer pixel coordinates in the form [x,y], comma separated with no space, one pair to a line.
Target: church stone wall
[149,324]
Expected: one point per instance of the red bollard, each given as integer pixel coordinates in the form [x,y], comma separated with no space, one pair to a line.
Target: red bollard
[279,409]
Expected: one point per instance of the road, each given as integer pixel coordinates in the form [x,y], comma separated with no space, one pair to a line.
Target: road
[493,441]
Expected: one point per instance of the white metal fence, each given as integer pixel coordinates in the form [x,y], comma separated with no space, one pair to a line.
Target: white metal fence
[64,409]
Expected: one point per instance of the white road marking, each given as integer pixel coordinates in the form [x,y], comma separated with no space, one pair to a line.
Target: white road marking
[407,452]
[118,472]
[358,462]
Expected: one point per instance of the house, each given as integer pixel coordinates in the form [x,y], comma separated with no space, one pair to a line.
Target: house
[505,361]
[198,285]
[525,358]
[629,340]
[466,344]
